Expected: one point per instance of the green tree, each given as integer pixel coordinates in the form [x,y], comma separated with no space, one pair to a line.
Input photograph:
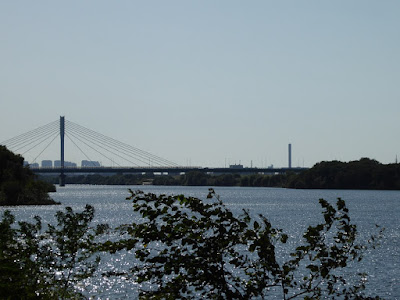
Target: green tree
[188,248]
[47,265]
[195,178]
[362,174]
[18,185]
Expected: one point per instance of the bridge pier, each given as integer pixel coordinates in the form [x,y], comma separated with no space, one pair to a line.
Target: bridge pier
[62,179]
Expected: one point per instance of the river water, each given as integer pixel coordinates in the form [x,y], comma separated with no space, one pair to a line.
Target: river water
[291,210]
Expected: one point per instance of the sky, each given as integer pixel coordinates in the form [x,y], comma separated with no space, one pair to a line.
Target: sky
[208,83]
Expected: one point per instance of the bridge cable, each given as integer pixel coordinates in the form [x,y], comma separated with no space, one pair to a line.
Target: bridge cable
[101,139]
[41,140]
[92,147]
[34,140]
[78,147]
[20,146]
[86,145]
[96,141]
[22,140]
[119,146]
[45,148]
[22,137]
[101,146]
[11,140]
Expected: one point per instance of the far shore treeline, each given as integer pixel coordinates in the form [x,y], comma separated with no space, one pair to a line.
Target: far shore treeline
[362,174]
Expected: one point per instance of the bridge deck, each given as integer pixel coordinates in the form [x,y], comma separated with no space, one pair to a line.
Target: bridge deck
[168,170]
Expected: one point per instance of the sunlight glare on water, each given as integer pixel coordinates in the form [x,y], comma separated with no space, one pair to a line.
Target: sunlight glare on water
[290,210]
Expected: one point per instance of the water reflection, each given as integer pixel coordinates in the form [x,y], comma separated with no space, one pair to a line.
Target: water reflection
[291,210]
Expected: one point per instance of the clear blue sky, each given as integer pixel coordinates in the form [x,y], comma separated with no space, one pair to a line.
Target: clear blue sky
[209,82]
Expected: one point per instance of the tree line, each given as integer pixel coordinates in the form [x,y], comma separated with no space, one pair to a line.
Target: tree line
[361,174]
[193,178]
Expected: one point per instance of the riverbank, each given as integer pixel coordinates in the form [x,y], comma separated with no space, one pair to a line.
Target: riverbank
[18,184]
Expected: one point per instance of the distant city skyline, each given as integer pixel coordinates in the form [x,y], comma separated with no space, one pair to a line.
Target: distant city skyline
[208,83]
[48,163]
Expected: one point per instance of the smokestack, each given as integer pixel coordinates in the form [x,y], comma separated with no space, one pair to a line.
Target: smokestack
[290,156]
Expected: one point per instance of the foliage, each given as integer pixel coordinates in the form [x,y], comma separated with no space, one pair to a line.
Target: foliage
[262,180]
[36,265]
[363,174]
[116,179]
[188,248]
[185,248]
[18,185]
[194,178]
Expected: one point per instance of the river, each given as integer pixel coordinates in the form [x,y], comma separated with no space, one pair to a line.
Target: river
[291,210]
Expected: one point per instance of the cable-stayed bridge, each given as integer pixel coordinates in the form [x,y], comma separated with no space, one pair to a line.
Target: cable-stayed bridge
[122,157]
[119,154]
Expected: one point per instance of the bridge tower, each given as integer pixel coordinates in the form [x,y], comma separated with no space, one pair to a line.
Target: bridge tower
[62,133]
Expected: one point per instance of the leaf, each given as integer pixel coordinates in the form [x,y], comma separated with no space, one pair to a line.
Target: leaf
[256,225]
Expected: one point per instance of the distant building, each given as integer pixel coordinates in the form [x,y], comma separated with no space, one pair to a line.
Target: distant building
[67,164]
[90,163]
[34,165]
[26,163]
[47,164]
[236,166]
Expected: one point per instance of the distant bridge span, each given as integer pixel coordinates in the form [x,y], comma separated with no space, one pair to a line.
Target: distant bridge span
[99,143]
[165,170]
